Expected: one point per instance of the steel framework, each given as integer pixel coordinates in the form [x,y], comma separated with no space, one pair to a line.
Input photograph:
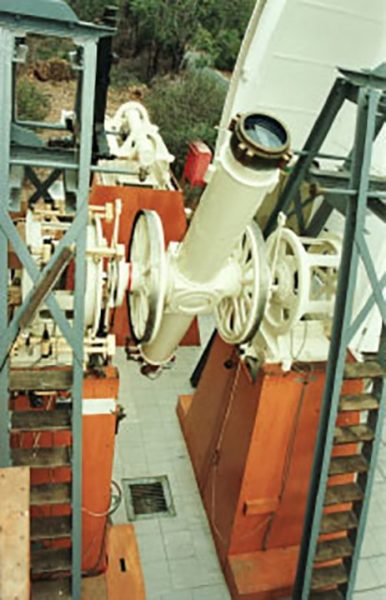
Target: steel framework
[354,192]
[19,148]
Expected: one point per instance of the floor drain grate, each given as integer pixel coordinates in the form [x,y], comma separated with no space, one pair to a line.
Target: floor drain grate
[148,497]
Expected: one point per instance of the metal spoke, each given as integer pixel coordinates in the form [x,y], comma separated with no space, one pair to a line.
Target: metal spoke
[238,317]
[147,253]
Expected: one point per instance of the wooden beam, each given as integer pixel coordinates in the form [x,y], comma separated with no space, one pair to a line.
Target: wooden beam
[40,379]
[124,573]
[14,533]
[262,506]
[43,288]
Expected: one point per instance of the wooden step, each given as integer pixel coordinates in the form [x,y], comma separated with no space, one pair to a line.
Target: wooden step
[325,577]
[340,494]
[50,560]
[41,420]
[333,549]
[50,493]
[357,402]
[41,380]
[51,590]
[50,528]
[338,521]
[353,434]
[363,370]
[340,465]
[41,458]
[330,595]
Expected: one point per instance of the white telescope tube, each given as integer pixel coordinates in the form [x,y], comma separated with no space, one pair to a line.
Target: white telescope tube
[228,204]
[172,330]
[246,170]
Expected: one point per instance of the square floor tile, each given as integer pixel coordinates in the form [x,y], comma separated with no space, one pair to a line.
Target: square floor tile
[186,572]
[178,544]
[151,548]
[157,577]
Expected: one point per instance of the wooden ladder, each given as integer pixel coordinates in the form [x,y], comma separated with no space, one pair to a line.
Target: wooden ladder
[343,516]
[42,440]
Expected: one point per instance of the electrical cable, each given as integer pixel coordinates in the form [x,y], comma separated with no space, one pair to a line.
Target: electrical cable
[95,570]
[112,509]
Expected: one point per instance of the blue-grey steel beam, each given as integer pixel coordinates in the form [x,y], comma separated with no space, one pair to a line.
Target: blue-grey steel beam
[8,227]
[42,187]
[6,55]
[86,108]
[361,316]
[85,37]
[379,391]
[20,24]
[313,144]
[356,212]
[371,274]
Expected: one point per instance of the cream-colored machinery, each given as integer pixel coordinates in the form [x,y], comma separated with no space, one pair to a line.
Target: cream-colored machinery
[268,296]
[138,148]
[107,274]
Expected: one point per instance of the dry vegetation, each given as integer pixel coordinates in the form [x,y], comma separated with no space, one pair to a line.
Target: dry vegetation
[61,95]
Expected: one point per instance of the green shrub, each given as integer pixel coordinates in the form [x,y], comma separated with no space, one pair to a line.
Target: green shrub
[186,108]
[46,47]
[228,44]
[204,42]
[89,10]
[126,73]
[32,104]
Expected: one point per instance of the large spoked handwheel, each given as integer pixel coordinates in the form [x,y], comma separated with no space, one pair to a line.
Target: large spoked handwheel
[290,281]
[94,278]
[147,258]
[238,317]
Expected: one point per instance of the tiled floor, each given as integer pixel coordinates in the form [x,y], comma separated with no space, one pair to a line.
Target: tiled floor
[178,556]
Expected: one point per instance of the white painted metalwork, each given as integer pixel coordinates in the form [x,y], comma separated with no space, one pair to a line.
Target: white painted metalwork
[287,65]
[219,264]
[138,149]
[304,276]
[238,316]
[288,59]
[301,299]
[148,277]
[106,274]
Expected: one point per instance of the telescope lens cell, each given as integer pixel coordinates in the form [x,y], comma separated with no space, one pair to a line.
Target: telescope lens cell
[265,132]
